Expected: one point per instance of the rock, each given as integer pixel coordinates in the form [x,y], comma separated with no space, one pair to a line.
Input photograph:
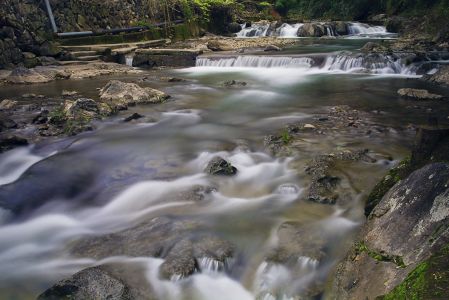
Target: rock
[309,126]
[134,116]
[234,83]
[69,93]
[219,166]
[120,95]
[341,28]
[10,142]
[234,27]
[427,281]
[272,48]
[418,94]
[182,243]
[92,283]
[297,240]
[8,104]
[440,77]
[311,30]
[404,229]
[217,45]
[114,281]
[82,109]
[327,185]
[41,118]
[374,47]
[23,75]
[6,123]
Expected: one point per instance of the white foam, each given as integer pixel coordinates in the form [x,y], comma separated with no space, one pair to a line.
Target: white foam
[15,163]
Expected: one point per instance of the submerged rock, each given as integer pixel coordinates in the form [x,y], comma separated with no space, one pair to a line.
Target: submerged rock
[8,104]
[11,142]
[6,123]
[234,83]
[182,243]
[418,94]
[219,166]
[134,116]
[69,93]
[272,48]
[120,95]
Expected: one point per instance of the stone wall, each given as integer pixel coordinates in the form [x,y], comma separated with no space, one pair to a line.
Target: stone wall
[25,27]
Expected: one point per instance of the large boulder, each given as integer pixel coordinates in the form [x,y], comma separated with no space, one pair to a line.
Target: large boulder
[408,226]
[120,94]
[312,30]
[112,282]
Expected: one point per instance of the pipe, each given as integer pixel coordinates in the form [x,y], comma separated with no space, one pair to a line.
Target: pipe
[51,17]
[113,31]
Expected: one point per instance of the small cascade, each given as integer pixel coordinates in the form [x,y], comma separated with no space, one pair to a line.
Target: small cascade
[129,60]
[356,28]
[256,62]
[289,31]
[330,30]
[256,30]
[210,265]
[341,62]
[375,64]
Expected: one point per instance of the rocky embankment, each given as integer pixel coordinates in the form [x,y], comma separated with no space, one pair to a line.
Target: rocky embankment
[402,250]
[37,117]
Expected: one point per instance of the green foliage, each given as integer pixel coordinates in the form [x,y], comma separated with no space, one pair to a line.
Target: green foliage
[356,9]
[286,137]
[200,9]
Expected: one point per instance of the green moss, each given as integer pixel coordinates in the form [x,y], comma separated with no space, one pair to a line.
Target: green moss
[286,137]
[429,280]
[361,247]
[394,176]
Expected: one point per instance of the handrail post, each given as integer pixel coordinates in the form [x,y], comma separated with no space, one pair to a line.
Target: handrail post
[51,17]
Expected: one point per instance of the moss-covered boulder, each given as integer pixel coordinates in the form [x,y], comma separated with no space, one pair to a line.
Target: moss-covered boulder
[429,280]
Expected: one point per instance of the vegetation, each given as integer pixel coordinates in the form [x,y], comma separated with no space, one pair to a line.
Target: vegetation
[357,9]
[361,247]
[429,280]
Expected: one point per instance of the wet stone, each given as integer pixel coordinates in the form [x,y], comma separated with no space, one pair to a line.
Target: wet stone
[219,166]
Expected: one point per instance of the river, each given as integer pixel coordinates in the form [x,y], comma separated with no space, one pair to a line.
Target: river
[122,174]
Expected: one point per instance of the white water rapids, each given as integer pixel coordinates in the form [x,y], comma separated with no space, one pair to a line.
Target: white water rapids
[354,30]
[333,63]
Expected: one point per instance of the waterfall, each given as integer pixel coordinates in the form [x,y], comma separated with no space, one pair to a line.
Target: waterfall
[256,30]
[129,60]
[249,61]
[356,28]
[289,31]
[341,62]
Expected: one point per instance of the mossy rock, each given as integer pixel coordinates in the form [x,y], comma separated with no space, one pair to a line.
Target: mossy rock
[394,176]
[429,280]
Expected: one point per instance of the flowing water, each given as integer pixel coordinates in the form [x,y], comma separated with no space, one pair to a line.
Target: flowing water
[55,193]
[355,30]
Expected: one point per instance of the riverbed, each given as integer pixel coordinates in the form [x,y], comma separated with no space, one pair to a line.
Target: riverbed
[122,174]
